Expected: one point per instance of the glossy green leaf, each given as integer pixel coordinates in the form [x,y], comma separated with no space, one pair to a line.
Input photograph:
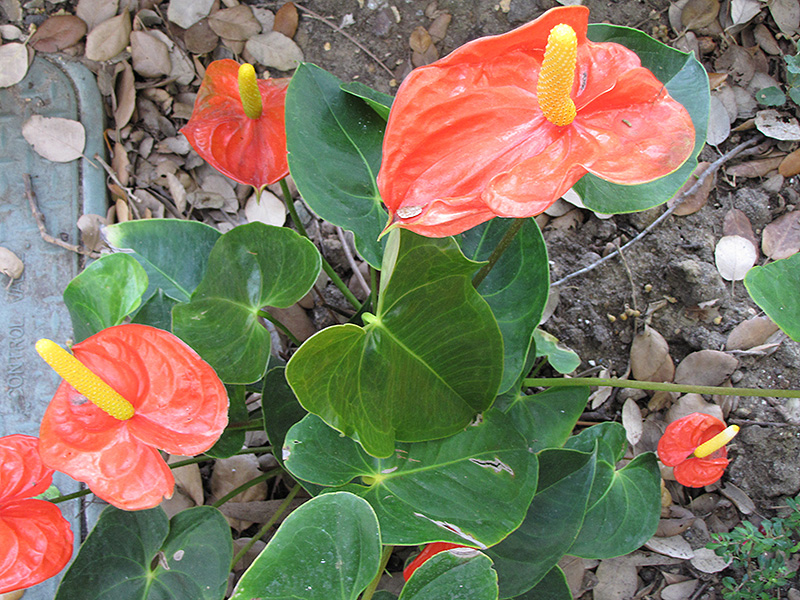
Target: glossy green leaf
[334,141]
[627,515]
[457,574]
[106,292]
[774,287]
[280,408]
[553,521]
[561,358]
[174,252]
[609,438]
[250,267]
[471,488]
[771,96]
[552,586]
[378,101]
[686,81]
[327,549]
[422,367]
[139,555]
[157,311]
[547,419]
[231,440]
[516,288]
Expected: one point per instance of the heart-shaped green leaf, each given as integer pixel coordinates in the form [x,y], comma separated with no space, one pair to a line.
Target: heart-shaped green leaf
[686,81]
[231,440]
[378,101]
[422,367]
[328,549]
[547,419]
[250,267]
[552,586]
[106,292]
[472,488]
[139,555]
[774,287]
[553,521]
[516,287]
[157,311]
[174,252]
[457,574]
[280,408]
[334,141]
[625,505]
[561,358]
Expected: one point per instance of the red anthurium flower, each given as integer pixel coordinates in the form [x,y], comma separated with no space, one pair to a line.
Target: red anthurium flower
[695,446]
[237,124]
[429,551]
[129,391]
[35,540]
[504,125]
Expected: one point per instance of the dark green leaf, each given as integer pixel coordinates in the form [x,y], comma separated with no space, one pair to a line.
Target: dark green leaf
[547,419]
[328,549]
[794,93]
[421,368]
[609,438]
[231,441]
[280,408]
[553,586]
[774,287]
[516,287]
[553,521]
[771,96]
[627,515]
[250,267]
[106,292]
[138,555]
[561,358]
[380,102]
[472,488]
[458,574]
[174,252]
[157,311]
[334,141]
[687,82]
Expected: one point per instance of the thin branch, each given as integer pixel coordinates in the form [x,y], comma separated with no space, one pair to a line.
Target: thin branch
[712,168]
[338,29]
[39,218]
[351,260]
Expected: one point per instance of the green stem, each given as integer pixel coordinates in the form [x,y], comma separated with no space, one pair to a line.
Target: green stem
[373,585]
[246,486]
[253,425]
[278,513]
[279,325]
[501,247]
[337,281]
[71,496]
[657,386]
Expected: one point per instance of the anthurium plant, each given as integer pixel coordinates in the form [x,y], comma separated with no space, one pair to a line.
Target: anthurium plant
[413,422]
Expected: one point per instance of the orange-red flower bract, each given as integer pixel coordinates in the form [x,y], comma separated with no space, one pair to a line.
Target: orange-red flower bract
[467,140]
[250,151]
[681,439]
[427,552]
[35,540]
[180,406]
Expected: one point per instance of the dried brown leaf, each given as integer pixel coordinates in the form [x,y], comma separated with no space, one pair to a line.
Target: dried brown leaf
[719,123]
[122,211]
[742,11]
[754,168]
[699,13]
[266,209]
[94,12]
[705,367]
[766,40]
[707,561]
[670,527]
[679,591]
[790,165]
[230,473]
[632,421]
[58,32]
[89,226]
[125,95]
[200,38]
[273,49]
[778,126]
[438,29]
[692,403]
[716,79]
[736,495]
[296,319]
[109,38]
[286,20]
[237,23]
[10,264]
[734,256]
[185,13]
[150,56]
[188,479]
[15,60]
[781,238]
[54,138]
[420,40]
[691,204]
[750,333]
[121,164]
[258,511]
[737,223]
[674,546]
[616,580]
[786,14]
[650,359]
[736,62]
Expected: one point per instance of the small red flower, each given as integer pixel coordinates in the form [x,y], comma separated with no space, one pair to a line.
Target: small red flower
[679,447]
[429,551]
[249,150]
[35,540]
[506,124]
[173,400]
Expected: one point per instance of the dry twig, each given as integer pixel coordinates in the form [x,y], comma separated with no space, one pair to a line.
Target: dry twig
[352,261]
